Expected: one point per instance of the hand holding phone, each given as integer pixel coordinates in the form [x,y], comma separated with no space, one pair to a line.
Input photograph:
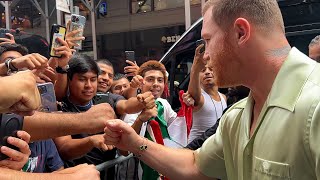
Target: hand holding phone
[131,69]
[199,42]
[6,37]
[57,31]
[3,33]
[77,25]
[10,124]
[130,55]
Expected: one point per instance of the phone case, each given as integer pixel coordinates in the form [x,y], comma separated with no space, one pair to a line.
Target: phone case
[3,33]
[130,55]
[199,42]
[77,22]
[48,97]
[9,125]
[57,31]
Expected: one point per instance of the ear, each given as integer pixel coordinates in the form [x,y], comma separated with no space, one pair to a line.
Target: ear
[243,29]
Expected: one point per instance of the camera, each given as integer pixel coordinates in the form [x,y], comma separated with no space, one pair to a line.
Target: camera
[56,30]
[75,19]
[10,124]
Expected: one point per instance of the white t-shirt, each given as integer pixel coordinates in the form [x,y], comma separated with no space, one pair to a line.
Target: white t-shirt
[207,116]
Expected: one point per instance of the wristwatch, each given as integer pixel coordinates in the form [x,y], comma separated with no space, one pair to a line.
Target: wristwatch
[62,70]
[10,67]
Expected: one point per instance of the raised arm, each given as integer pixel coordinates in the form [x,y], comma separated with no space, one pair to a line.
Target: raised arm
[194,88]
[61,83]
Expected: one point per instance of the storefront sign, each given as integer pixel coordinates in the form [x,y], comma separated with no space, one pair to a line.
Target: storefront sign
[63,5]
[170,39]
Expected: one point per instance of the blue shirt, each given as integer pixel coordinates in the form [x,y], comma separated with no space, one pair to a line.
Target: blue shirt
[44,157]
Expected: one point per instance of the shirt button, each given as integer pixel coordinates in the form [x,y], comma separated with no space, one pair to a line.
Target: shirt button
[266,166]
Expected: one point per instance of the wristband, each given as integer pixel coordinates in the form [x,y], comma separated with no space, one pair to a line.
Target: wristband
[61,70]
[10,67]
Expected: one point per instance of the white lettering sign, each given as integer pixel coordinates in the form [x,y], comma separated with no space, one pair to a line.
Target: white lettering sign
[63,5]
[170,39]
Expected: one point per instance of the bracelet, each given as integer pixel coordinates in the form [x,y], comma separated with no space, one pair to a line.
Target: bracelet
[143,147]
[10,67]
[61,70]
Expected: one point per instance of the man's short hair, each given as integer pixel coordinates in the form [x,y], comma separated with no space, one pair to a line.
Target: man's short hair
[119,76]
[315,41]
[105,61]
[13,47]
[153,65]
[82,64]
[264,13]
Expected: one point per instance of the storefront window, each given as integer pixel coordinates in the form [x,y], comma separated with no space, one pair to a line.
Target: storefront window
[142,6]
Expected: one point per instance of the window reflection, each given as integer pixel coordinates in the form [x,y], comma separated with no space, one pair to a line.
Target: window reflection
[142,6]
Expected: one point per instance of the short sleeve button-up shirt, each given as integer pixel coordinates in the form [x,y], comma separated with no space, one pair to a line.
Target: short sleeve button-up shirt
[286,142]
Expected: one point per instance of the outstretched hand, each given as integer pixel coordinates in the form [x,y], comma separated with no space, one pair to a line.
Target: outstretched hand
[121,135]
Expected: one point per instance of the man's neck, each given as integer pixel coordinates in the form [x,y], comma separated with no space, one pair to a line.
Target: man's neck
[77,103]
[261,86]
[212,90]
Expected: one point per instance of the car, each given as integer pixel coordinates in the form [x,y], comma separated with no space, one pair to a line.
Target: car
[302,23]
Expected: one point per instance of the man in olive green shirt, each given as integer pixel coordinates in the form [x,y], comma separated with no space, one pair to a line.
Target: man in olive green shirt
[274,134]
[285,142]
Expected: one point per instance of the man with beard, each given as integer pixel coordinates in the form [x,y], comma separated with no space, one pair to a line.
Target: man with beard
[314,49]
[208,102]
[272,134]
[83,75]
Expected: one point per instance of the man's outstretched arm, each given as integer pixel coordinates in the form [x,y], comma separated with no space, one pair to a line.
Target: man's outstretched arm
[173,163]
[50,125]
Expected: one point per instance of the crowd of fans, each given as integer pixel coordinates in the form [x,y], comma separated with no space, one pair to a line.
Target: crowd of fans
[102,114]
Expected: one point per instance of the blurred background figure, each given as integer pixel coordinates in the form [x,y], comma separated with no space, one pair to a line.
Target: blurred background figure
[314,49]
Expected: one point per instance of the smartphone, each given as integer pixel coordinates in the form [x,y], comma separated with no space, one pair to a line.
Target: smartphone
[57,31]
[77,22]
[48,97]
[199,42]
[3,33]
[102,98]
[10,124]
[130,55]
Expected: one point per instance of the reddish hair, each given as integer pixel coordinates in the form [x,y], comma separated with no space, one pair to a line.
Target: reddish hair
[153,65]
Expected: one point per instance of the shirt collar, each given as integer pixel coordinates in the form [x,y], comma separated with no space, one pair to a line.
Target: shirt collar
[290,81]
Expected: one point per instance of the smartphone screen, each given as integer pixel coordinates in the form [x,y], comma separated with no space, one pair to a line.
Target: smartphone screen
[77,22]
[57,31]
[199,42]
[130,55]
